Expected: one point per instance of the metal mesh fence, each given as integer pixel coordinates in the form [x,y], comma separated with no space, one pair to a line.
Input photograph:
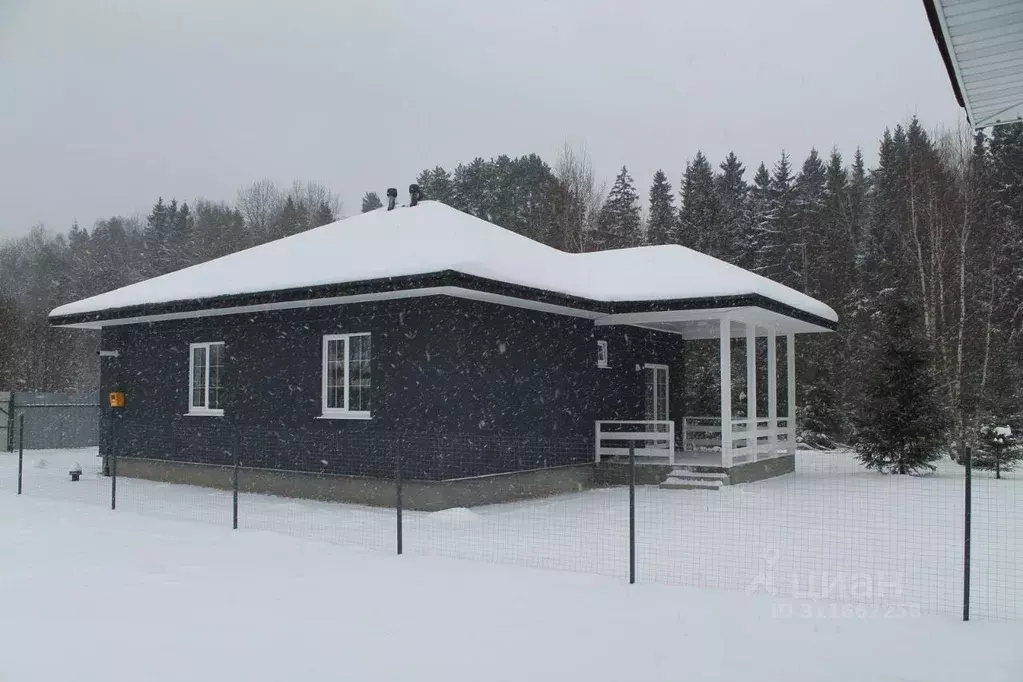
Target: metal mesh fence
[829,539]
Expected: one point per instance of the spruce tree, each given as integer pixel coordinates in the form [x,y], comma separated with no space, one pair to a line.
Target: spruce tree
[857,211]
[180,238]
[157,238]
[809,242]
[758,229]
[733,209]
[436,185]
[775,227]
[698,212]
[784,252]
[530,183]
[997,449]
[1003,382]
[424,179]
[324,215]
[371,202]
[618,223]
[661,223]
[902,423]
[290,220]
[472,188]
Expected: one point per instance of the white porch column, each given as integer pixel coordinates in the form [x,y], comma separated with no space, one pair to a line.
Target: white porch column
[772,390]
[726,391]
[790,358]
[751,389]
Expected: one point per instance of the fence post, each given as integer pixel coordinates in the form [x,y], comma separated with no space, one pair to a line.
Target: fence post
[10,424]
[113,463]
[632,513]
[967,523]
[21,448]
[234,482]
[398,500]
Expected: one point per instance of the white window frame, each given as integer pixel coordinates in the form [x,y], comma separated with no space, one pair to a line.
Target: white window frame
[201,410]
[342,412]
[602,355]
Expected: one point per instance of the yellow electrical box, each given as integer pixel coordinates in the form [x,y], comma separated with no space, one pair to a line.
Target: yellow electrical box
[117,399]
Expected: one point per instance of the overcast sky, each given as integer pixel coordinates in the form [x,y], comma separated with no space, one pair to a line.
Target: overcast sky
[106,105]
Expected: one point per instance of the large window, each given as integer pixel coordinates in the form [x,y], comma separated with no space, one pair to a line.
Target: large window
[346,376]
[205,390]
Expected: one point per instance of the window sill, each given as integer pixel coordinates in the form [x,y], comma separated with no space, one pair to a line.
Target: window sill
[205,413]
[342,415]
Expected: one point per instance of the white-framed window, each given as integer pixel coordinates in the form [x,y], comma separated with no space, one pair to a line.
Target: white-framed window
[602,354]
[346,376]
[205,377]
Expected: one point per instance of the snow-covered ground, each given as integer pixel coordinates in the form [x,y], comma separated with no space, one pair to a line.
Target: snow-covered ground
[99,596]
[830,533]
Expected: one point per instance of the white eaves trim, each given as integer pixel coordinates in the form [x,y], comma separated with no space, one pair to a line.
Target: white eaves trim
[456,292]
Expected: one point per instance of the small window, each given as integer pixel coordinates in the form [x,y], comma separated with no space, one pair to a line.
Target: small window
[602,354]
[346,376]
[205,390]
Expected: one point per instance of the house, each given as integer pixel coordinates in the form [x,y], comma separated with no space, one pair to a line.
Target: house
[981,44]
[496,366]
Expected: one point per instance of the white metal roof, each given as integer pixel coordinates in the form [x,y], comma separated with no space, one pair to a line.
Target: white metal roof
[981,42]
[432,238]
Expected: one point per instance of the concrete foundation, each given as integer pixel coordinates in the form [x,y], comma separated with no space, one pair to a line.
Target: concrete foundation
[611,472]
[615,471]
[416,495]
[765,468]
[434,495]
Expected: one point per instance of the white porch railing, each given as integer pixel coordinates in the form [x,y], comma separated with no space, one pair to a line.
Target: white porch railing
[656,439]
[651,438]
[772,437]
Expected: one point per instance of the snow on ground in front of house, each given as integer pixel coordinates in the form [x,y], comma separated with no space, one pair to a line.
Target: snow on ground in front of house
[100,596]
[832,531]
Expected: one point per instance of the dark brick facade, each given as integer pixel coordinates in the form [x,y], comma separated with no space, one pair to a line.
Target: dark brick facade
[460,388]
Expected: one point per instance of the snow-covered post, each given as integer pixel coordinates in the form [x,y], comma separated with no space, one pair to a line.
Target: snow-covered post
[751,389]
[236,446]
[726,391]
[967,530]
[632,512]
[113,478]
[772,389]
[398,474]
[790,360]
[21,448]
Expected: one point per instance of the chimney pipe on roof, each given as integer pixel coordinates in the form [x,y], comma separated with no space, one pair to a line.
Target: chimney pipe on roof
[392,196]
[413,191]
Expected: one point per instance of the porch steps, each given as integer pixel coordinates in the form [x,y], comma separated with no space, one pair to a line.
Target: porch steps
[687,479]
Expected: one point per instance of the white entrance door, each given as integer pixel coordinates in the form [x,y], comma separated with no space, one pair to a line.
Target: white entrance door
[656,392]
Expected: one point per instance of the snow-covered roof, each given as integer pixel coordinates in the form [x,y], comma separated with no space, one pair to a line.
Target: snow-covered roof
[433,238]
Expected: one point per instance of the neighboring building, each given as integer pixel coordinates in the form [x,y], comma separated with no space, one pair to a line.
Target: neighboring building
[497,366]
[981,43]
[52,420]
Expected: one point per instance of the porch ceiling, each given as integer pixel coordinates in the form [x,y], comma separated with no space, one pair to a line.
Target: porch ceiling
[705,324]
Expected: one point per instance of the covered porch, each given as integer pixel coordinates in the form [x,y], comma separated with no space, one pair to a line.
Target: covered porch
[755,420]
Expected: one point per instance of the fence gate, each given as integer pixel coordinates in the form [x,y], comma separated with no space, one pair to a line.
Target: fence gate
[52,420]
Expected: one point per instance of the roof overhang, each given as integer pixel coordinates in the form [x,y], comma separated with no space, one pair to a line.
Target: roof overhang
[459,285]
[706,323]
[981,43]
